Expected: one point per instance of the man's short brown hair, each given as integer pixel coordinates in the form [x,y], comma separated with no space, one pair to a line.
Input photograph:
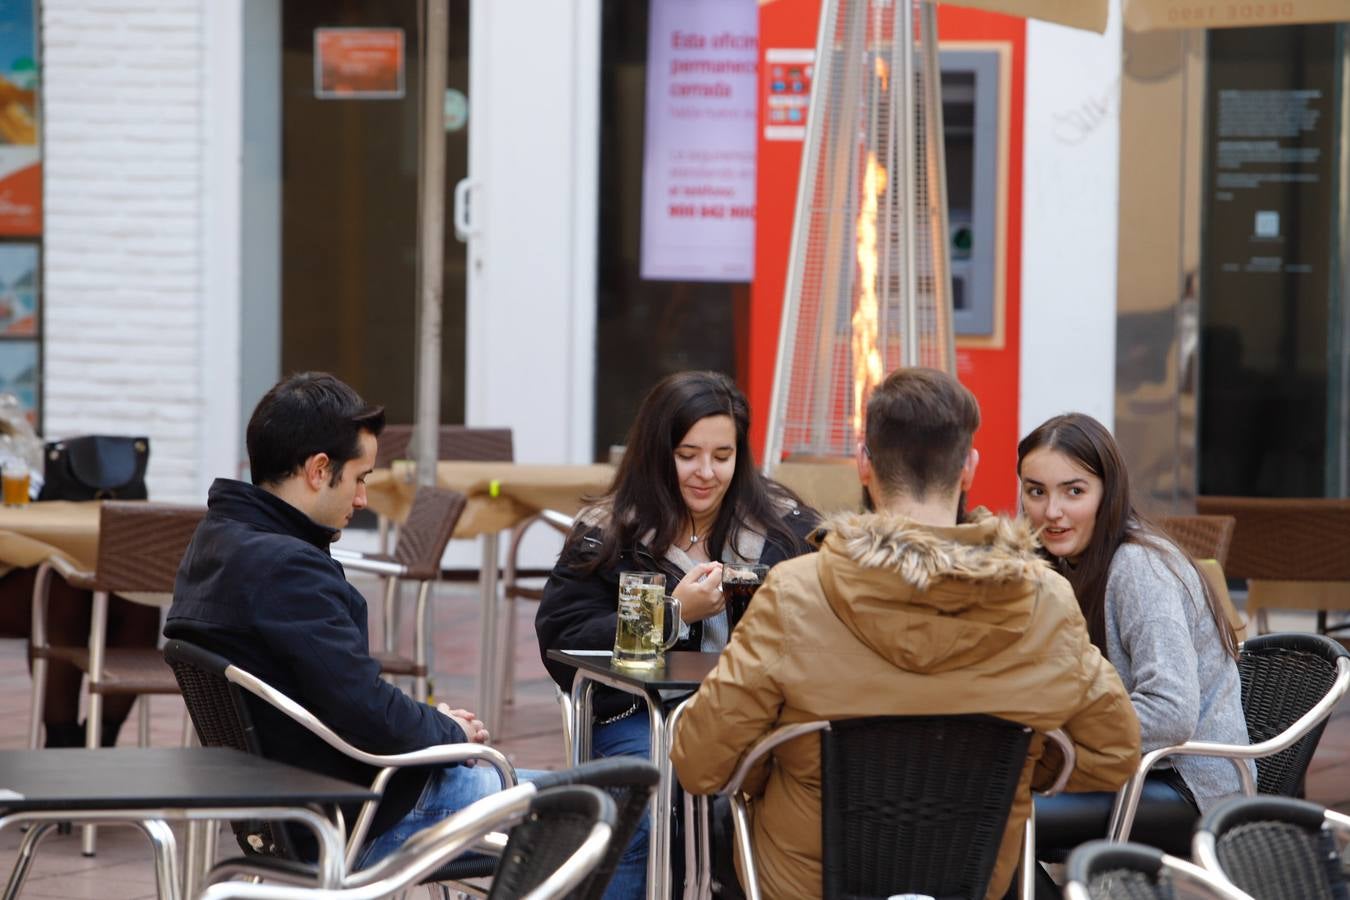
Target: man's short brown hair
[920,425]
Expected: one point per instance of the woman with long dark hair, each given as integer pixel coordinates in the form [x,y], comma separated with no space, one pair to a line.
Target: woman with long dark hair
[1150,612]
[686,499]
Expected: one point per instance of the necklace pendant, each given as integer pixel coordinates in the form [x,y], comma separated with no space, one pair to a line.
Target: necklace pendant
[693,539]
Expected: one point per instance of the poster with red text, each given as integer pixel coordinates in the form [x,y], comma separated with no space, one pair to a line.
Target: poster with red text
[20,151]
[698,174]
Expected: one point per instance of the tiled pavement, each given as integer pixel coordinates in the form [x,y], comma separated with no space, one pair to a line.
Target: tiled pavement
[531,736]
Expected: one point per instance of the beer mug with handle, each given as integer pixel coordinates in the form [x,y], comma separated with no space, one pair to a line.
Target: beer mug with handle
[639,639]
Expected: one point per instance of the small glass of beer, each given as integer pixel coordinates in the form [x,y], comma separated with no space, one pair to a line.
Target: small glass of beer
[14,483]
[739,583]
[639,639]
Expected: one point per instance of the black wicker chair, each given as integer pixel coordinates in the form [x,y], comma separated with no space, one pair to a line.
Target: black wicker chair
[1275,848]
[1290,684]
[1103,870]
[218,697]
[628,781]
[908,803]
[557,838]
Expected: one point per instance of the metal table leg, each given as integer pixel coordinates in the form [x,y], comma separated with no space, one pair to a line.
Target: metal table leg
[487,638]
[658,851]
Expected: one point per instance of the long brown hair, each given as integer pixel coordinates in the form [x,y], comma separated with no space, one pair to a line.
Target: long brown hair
[645,495]
[1087,442]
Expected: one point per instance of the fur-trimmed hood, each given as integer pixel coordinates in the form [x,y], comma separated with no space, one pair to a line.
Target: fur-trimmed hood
[931,598]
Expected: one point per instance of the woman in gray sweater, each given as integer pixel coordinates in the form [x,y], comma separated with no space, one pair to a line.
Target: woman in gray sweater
[1153,616]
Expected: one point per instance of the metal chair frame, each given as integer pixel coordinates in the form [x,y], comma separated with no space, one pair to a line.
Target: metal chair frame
[140,546]
[428,850]
[387,764]
[740,814]
[1095,856]
[1127,800]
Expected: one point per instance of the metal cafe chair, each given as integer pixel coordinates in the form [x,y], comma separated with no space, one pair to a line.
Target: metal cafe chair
[629,783]
[217,696]
[416,557]
[1290,684]
[558,836]
[215,692]
[140,546]
[1275,848]
[1104,870]
[908,803]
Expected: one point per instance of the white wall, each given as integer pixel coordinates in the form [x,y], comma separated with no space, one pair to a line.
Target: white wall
[1069,222]
[533,153]
[126,194]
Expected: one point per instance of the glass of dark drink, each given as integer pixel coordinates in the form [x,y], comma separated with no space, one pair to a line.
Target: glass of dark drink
[739,583]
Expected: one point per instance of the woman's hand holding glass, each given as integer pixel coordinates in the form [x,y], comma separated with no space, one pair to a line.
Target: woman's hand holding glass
[700,592]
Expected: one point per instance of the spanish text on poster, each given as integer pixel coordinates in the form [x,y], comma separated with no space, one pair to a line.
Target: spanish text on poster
[698,177]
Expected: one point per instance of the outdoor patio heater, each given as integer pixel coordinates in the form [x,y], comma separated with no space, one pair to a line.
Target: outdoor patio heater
[868,282]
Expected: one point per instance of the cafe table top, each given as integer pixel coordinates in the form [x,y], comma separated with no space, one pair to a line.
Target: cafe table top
[682,670]
[160,777]
[499,494]
[36,532]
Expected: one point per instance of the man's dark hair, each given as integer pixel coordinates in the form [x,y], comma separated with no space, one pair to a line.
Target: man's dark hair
[920,424]
[305,414]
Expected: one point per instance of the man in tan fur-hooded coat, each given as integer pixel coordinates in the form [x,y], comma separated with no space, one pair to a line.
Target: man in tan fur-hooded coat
[904,612]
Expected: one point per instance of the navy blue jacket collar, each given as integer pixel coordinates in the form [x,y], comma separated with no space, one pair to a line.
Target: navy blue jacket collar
[252,505]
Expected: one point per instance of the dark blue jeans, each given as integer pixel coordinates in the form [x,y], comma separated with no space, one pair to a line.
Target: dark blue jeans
[447,791]
[628,737]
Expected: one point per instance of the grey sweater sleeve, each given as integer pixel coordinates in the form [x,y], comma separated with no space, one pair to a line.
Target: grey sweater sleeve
[1147,618]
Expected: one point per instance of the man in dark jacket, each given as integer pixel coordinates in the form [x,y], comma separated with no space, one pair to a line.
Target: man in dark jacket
[259,587]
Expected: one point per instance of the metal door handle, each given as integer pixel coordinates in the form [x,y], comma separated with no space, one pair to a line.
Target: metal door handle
[465,228]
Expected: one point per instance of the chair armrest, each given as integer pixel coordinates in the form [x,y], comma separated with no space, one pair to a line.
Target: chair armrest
[439,755]
[372,564]
[762,748]
[387,763]
[1070,755]
[1127,800]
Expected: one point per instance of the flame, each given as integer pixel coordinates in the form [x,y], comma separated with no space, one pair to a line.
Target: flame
[867,364]
[883,72]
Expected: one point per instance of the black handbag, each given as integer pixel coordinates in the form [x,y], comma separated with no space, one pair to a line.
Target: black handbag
[95,467]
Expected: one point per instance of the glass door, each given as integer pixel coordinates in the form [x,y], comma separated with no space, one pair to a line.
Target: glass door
[350,118]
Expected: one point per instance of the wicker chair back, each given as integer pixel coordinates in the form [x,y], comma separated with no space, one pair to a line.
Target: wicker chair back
[1283,676]
[422,539]
[140,544]
[1203,537]
[1285,539]
[917,803]
[221,717]
[1277,848]
[560,819]
[1106,870]
[458,442]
